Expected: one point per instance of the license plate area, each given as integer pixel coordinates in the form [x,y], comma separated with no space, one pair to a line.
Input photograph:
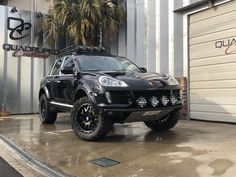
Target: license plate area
[147,115]
[151,113]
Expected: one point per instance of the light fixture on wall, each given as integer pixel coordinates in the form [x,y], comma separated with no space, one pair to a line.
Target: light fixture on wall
[13,10]
[39,14]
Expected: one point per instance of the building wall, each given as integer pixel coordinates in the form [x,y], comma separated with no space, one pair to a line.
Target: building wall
[20,76]
[151,37]
[31,5]
[154,35]
[151,24]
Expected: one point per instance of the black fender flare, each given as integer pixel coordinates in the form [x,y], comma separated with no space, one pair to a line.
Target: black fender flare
[87,90]
[79,89]
[45,90]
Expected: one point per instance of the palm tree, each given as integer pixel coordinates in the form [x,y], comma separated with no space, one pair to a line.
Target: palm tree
[81,20]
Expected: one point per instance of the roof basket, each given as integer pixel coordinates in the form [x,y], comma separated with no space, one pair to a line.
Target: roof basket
[77,49]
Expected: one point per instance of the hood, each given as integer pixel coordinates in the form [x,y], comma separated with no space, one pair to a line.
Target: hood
[141,80]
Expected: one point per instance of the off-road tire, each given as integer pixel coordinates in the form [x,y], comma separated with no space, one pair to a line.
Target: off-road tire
[102,128]
[165,123]
[46,115]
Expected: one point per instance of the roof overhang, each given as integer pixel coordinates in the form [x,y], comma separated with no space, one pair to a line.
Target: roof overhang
[198,5]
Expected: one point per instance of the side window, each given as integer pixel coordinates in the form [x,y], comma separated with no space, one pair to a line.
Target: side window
[56,69]
[69,63]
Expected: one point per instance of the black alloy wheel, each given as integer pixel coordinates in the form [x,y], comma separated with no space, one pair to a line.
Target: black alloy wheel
[46,115]
[165,123]
[86,123]
[87,120]
[43,109]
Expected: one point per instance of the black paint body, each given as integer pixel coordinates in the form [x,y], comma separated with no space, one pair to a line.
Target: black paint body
[65,89]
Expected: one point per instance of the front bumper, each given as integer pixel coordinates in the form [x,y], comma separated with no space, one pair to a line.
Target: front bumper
[138,114]
[121,108]
[125,102]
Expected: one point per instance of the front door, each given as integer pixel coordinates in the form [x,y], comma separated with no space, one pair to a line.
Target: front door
[64,83]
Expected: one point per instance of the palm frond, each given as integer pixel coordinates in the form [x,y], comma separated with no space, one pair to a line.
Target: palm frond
[81,20]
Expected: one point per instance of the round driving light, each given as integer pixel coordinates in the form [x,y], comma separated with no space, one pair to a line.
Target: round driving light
[154,101]
[173,100]
[141,102]
[108,97]
[164,100]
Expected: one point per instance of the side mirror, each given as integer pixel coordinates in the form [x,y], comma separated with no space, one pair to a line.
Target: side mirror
[67,70]
[144,70]
[76,73]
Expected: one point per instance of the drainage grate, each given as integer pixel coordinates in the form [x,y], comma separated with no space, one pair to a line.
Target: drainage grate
[104,162]
[31,160]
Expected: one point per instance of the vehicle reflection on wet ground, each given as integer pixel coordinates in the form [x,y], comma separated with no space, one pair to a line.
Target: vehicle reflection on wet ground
[190,149]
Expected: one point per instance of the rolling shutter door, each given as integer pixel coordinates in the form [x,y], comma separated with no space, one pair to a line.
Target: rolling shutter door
[212,63]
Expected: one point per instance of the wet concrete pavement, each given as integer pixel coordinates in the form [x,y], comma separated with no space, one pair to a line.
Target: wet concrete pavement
[191,149]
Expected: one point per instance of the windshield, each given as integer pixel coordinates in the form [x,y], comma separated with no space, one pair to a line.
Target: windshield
[106,63]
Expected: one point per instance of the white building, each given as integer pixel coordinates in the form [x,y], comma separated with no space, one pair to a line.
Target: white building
[179,37]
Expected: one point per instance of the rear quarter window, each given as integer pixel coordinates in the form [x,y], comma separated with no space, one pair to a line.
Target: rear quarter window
[56,67]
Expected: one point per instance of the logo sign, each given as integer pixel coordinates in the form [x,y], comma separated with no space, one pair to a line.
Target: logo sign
[229,45]
[29,51]
[17,31]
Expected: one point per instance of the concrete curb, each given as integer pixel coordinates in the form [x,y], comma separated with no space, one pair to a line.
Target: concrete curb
[24,163]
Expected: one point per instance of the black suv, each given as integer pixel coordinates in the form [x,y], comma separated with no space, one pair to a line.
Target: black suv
[101,89]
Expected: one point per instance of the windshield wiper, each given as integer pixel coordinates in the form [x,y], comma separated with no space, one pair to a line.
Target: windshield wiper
[118,71]
[91,70]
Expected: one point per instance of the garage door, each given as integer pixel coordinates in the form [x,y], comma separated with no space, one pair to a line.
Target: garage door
[212,63]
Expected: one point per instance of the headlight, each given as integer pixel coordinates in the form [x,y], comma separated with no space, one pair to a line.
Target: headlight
[111,82]
[171,80]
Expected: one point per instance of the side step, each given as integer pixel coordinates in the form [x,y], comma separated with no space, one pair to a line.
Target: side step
[61,104]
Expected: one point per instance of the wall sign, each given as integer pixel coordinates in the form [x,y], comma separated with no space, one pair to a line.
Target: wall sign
[229,45]
[16,32]
[29,51]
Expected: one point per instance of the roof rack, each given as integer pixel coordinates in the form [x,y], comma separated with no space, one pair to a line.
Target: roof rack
[77,49]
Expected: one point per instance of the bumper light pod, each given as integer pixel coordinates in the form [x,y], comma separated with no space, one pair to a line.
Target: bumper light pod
[164,100]
[173,100]
[154,101]
[141,102]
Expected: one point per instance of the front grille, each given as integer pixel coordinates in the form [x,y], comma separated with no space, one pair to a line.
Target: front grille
[128,97]
[120,97]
